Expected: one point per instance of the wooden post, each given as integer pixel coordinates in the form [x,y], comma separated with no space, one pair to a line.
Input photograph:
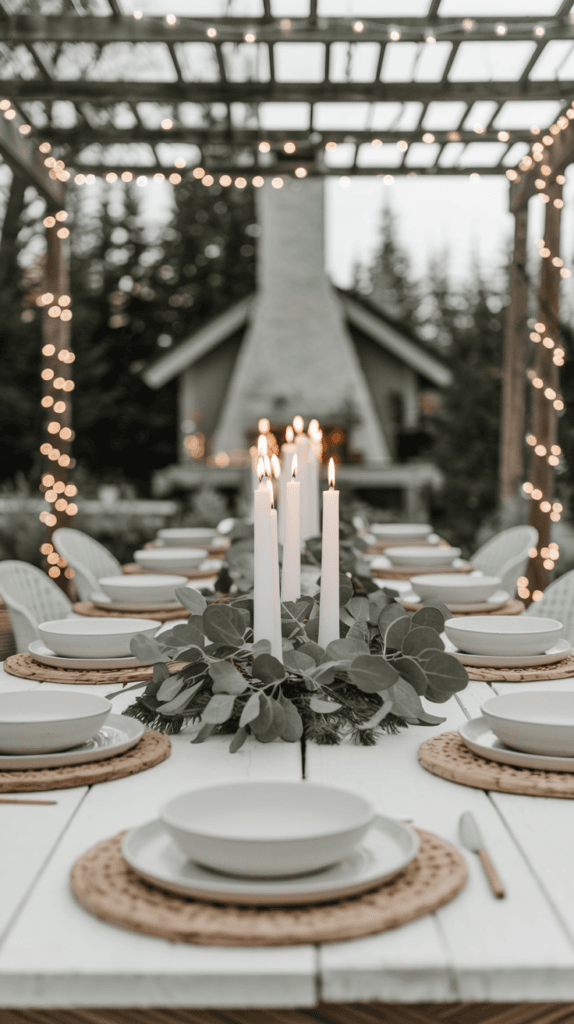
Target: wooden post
[544,415]
[57,400]
[514,370]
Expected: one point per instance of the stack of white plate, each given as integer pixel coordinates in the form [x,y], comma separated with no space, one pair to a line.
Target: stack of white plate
[506,641]
[49,728]
[401,531]
[533,729]
[142,593]
[164,559]
[192,536]
[86,643]
[269,842]
[406,557]
[460,589]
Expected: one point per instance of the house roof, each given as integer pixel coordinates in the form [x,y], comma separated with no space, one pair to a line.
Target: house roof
[358,313]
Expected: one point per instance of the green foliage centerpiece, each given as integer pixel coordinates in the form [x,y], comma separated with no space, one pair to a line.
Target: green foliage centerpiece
[368,682]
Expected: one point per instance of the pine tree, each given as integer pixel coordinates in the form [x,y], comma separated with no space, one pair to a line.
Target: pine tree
[389,282]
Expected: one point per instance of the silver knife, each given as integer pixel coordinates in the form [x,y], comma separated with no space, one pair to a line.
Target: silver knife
[471,837]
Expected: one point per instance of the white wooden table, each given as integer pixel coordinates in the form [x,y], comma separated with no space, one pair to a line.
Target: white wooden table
[476,949]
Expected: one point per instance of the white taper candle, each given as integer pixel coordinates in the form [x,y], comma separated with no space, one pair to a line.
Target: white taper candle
[291,578]
[329,608]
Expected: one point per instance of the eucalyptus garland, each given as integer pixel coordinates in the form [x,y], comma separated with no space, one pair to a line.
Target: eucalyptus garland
[210,673]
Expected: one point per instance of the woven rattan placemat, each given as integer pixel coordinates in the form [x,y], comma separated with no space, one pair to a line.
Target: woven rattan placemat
[153,748]
[510,607]
[448,756]
[405,573]
[191,574]
[90,609]
[560,670]
[105,885]
[24,666]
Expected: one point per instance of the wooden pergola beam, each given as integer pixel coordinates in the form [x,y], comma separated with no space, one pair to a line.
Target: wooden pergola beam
[514,367]
[83,135]
[29,28]
[556,156]
[111,92]
[219,166]
[21,153]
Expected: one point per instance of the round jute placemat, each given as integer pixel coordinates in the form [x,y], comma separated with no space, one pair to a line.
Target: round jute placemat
[24,666]
[191,574]
[89,608]
[560,670]
[511,607]
[104,884]
[448,756]
[405,573]
[152,749]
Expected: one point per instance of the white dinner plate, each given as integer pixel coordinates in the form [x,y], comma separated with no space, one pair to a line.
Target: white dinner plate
[115,737]
[496,601]
[386,850]
[558,652]
[101,601]
[478,737]
[45,656]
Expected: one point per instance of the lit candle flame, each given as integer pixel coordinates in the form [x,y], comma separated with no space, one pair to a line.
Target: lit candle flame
[289,435]
[331,474]
[267,465]
[313,427]
[262,445]
[294,468]
[264,426]
[298,423]
[275,466]
[260,469]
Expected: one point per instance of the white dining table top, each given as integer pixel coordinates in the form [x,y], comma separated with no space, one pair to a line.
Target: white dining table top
[521,948]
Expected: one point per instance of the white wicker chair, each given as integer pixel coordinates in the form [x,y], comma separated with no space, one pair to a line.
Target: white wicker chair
[558,603]
[89,559]
[31,597]
[506,555]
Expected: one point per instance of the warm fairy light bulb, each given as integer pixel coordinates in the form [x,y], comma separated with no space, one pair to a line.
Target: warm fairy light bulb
[260,468]
[275,466]
[264,426]
[313,427]
[262,445]
[289,434]
[331,474]
[294,467]
[298,424]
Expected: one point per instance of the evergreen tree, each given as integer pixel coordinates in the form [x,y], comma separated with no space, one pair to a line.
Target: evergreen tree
[388,281]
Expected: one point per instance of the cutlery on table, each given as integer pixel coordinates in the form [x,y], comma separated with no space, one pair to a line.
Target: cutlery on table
[471,837]
[12,800]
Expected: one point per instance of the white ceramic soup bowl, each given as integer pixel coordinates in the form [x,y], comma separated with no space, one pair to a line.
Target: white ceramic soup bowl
[401,531]
[422,556]
[460,588]
[267,829]
[141,589]
[503,634]
[170,558]
[43,721]
[175,537]
[537,722]
[94,638]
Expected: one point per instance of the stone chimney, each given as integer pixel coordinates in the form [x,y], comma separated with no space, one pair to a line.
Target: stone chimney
[297,356]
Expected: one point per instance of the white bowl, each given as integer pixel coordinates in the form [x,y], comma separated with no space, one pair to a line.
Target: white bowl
[181,535]
[422,556]
[456,587]
[94,638]
[401,531]
[43,721]
[267,829]
[537,722]
[141,589]
[170,558]
[507,635]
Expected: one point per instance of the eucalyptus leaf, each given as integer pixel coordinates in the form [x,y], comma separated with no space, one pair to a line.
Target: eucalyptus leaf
[261,647]
[181,636]
[435,602]
[323,707]
[395,634]
[219,709]
[426,719]
[344,650]
[238,740]
[313,650]
[428,615]
[191,655]
[312,630]
[372,673]
[160,672]
[268,669]
[358,607]
[146,650]
[179,702]
[293,727]
[170,688]
[204,732]
[359,631]
[297,661]
[422,638]
[413,672]
[406,702]
[277,725]
[251,710]
[345,589]
[377,602]
[324,673]
[226,678]
[262,723]
[223,623]
[445,674]
[379,715]
[191,599]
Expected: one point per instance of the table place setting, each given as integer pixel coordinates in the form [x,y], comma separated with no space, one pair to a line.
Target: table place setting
[142,595]
[52,739]
[471,594]
[492,646]
[267,863]
[404,562]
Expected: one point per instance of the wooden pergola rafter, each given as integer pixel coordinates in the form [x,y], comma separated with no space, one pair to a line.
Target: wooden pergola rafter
[233,148]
